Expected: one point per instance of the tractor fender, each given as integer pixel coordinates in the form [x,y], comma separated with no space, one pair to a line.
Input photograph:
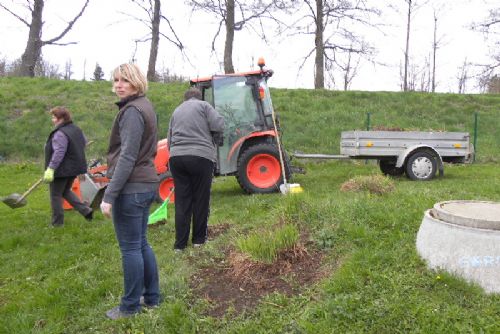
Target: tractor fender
[239,143]
[410,150]
[162,156]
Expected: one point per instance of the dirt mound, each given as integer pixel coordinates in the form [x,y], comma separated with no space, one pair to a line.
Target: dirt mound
[375,184]
[239,282]
[216,230]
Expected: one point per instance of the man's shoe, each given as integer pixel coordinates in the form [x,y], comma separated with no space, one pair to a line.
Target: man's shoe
[178,250]
[89,216]
[198,245]
[115,314]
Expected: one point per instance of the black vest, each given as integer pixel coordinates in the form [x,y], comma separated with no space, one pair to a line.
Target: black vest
[74,162]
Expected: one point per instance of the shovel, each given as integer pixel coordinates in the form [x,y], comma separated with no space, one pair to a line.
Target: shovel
[16,201]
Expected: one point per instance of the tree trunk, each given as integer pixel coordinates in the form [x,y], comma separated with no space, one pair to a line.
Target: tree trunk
[319,61]
[155,41]
[434,50]
[347,72]
[407,49]
[34,46]
[228,47]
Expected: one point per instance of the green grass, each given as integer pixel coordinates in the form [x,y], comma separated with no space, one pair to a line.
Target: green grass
[312,120]
[63,280]
[264,246]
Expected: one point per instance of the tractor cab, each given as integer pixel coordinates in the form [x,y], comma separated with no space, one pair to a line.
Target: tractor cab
[250,149]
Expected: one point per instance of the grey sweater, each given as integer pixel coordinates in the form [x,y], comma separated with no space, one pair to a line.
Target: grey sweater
[191,127]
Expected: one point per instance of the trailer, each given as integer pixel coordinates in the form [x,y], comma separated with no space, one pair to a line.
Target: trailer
[420,155]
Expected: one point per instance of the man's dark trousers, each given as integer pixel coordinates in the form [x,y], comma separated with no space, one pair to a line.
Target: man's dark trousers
[192,180]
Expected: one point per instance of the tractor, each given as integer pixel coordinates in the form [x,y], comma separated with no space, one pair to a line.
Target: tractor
[251,148]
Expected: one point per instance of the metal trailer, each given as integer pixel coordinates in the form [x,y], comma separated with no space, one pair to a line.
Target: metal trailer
[420,155]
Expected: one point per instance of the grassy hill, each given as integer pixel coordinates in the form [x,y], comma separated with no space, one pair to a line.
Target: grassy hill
[355,270]
[311,119]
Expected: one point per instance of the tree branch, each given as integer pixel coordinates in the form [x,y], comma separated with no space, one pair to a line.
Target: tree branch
[177,41]
[15,15]
[68,28]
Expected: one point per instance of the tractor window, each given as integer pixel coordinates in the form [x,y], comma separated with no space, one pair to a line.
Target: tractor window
[266,102]
[235,101]
[208,95]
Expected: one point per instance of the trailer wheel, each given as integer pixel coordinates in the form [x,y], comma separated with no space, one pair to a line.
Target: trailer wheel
[421,166]
[165,187]
[259,169]
[388,167]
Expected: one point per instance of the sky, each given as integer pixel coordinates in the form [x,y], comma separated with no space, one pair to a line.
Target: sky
[106,36]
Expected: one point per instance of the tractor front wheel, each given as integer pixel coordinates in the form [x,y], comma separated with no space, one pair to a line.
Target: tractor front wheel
[259,169]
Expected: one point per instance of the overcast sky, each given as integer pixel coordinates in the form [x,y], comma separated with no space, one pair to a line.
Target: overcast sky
[107,37]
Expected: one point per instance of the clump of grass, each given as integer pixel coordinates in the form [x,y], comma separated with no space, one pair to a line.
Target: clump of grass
[375,184]
[265,246]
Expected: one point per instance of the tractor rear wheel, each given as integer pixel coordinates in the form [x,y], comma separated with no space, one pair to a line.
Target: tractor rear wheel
[259,169]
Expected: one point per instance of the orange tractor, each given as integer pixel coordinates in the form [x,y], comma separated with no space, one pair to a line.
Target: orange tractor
[251,148]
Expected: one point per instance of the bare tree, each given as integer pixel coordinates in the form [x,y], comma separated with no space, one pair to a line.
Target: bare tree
[45,69]
[490,27]
[3,67]
[436,44]
[463,76]
[235,15]
[68,70]
[412,6]
[349,69]
[33,50]
[84,69]
[151,18]
[434,51]
[335,34]
[494,85]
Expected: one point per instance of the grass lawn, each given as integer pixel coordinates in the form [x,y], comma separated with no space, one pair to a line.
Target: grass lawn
[63,280]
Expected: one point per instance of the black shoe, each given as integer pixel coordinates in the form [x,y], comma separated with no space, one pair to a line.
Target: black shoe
[89,216]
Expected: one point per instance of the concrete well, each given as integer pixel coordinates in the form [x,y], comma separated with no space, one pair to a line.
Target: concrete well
[463,238]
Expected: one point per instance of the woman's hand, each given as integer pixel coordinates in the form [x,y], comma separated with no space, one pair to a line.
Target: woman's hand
[106,209]
[48,176]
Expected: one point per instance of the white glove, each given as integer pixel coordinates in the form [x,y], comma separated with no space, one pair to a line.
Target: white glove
[106,209]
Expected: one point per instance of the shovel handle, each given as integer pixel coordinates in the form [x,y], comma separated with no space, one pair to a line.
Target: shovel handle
[30,190]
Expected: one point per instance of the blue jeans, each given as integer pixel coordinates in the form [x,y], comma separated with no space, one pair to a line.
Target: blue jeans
[140,271]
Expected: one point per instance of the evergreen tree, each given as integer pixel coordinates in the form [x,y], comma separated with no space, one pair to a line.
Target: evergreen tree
[98,73]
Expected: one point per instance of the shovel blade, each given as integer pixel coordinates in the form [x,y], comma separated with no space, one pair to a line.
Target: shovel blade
[14,201]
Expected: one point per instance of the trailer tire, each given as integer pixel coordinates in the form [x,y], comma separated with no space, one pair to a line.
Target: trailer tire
[259,169]
[388,167]
[421,165]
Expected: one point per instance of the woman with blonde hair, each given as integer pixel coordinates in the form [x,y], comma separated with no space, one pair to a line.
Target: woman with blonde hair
[132,189]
